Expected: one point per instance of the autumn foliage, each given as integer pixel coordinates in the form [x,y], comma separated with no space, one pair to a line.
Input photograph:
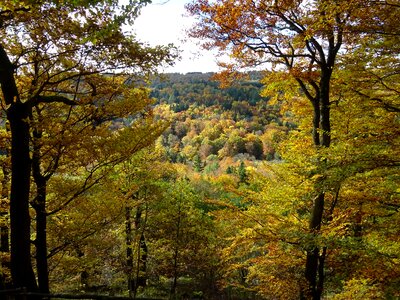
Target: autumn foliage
[280,183]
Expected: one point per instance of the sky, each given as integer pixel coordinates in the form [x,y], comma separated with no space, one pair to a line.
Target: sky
[163,22]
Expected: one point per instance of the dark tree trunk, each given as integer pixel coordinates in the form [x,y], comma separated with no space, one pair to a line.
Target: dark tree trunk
[141,259]
[41,236]
[41,250]
[141,276]
[21,267]
[316,120]
[314,271]
[39,204]
[141,250]
[325,106]
[17,114]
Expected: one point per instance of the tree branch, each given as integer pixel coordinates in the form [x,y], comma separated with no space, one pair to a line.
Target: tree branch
[55,98]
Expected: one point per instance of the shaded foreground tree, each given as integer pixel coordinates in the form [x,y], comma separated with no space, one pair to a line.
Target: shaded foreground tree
[64,146]
[139,181]
[304,38]
[53,52]
[182,245]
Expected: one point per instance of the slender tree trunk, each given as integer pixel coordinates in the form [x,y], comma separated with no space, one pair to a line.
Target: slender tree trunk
[138,217]
[41,250]
[314,270]
[316,120]
[39,204]
[41,237]
[141,278]
[313,255]
[325,107]
[129,250]
[141,261]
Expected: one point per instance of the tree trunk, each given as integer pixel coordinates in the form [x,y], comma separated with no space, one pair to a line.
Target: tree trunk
[141,260]
[41,236]
[314,271]
[129,252]
[325,106]
[141,278]
[141,265]
[21,267]
[316,120]
[41,250]
[39,204]
[17,114]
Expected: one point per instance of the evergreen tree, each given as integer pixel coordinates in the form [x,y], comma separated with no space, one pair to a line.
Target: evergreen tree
[242,173]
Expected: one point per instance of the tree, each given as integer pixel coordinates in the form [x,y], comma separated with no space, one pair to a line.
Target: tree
[53,52]
[243,177]
[182,238]
[141,179]
[198,165]
[84,244]
[304,37]
[268,232]
[58,138]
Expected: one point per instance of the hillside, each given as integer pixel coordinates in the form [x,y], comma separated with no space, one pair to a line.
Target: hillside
[211,123]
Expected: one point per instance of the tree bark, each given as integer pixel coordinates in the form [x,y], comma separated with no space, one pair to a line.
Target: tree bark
[41,250]
[41,236]
[314,271]
[17,114]
[141,264]
[142,255]
[316,120]
[326,75]
[21,267]
[39,204]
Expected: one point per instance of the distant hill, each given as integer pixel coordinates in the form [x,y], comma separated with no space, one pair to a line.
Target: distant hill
[213,123]
[182,90]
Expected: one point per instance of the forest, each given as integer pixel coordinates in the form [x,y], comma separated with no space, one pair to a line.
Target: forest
[276,178]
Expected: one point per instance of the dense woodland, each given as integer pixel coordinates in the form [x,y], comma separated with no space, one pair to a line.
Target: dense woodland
[273,184]
[212,123]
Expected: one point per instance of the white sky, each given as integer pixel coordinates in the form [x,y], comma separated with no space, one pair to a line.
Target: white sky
[161,23]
